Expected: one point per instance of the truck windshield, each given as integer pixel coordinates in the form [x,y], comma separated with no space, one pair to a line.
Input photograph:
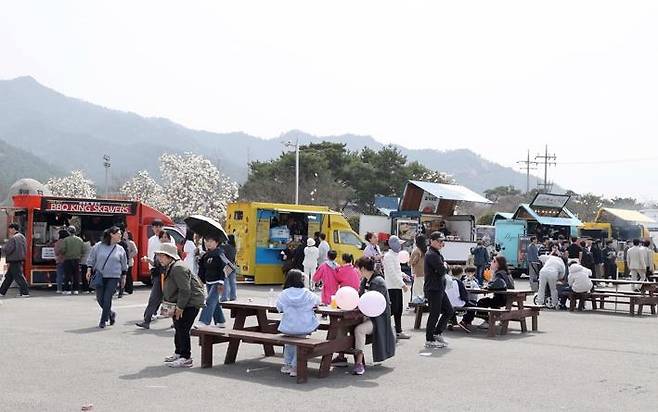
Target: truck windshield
[349,238]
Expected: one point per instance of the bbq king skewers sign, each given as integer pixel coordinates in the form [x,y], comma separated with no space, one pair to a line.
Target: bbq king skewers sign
[88,206]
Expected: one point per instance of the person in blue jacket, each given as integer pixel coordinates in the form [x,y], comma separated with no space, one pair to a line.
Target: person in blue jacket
[297,305]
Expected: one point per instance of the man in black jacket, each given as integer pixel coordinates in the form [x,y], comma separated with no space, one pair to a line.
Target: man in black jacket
[435,271]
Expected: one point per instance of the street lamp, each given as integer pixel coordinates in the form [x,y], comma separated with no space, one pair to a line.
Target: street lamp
[289,143]
[107,164]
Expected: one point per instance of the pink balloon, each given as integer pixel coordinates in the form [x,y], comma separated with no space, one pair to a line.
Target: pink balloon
[403,256]
[347,298]
[372,304]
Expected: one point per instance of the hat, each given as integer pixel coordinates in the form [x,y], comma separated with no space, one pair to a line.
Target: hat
[168,249]
[437,236]
[72,230]
[310,242]
[394,243]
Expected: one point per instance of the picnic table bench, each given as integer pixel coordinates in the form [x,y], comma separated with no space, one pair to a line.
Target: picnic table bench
[338,339]
[646,296]
[515,310]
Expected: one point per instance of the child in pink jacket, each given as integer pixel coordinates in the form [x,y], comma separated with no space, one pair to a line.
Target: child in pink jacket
[348,275]
[326,274]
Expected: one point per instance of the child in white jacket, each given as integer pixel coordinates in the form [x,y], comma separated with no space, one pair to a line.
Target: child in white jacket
[311,254]
[395,283]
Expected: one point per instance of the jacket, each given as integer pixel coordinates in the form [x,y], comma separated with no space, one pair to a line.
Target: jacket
[348,275]
[72,248]
[323,251]
[372,251]
[480,256]
[86,249]
[456,292]
[109,260]
[636,258]
[502,281]
[211,267]
[182,287]
[383,338]
[297,306]
[552,265]
[311,255]
[57,248]
[16,248]
[326,274]
[417,263]
[532,254]
[435,270]
[579,278]
[649,259]
[392,270]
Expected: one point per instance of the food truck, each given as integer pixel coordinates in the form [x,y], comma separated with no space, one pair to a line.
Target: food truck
[545,216]
[41,217]
[263,231]
[426,207]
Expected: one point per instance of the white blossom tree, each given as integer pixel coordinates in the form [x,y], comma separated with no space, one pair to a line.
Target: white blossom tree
[193,185]
[144,188]
[73,185]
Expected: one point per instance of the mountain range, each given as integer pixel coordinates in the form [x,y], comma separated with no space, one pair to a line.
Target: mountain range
[53,134]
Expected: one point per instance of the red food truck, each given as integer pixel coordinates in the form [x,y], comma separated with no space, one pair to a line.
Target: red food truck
[41,218]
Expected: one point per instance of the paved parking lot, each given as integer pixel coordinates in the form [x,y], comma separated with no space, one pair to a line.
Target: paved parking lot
[54,358]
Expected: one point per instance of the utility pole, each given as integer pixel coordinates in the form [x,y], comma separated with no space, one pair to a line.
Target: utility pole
[296,146]
[107,164]
[527,167]
[547,160]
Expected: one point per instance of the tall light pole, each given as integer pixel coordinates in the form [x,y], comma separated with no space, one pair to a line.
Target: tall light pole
[296,146]
[107,164]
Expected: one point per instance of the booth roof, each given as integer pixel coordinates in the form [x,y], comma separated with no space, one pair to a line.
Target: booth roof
[550,221]
[629,215]
[450,192]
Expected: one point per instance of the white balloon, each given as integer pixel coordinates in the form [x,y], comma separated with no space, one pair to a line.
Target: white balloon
[347,298]
[372,304]
[404,256]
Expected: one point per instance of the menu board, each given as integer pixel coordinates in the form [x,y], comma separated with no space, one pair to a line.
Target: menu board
[263,232]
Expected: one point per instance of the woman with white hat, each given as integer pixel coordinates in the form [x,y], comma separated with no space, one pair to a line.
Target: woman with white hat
[311,255]
[185,291]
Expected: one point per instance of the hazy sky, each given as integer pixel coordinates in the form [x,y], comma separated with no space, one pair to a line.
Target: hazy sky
[497,77]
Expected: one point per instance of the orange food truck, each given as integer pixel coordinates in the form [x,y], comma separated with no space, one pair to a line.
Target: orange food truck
[41,217]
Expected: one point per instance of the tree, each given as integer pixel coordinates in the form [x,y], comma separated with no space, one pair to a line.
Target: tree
[193,185]
[501,191]
[74,185]
[143,187]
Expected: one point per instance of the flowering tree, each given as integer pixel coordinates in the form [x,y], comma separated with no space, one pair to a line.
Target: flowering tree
[144,188]
[193,185]
[74,185]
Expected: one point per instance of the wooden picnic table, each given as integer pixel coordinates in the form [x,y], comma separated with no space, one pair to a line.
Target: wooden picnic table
[339,337]
[647,295]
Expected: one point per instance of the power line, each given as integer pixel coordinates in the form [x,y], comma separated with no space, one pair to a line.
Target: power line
[593,162]
[526,166]
[548,160]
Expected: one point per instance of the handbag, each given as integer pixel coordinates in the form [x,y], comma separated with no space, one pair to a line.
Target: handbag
[167,309]
[96,280]
[229,267]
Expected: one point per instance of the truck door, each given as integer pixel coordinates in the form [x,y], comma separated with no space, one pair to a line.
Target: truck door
[508,234]
[237,224]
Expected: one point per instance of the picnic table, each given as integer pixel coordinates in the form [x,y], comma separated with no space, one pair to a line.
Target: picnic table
[515,309]
[339,337]
[647,295]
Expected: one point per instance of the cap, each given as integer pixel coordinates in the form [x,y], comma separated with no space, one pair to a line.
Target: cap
[437,236]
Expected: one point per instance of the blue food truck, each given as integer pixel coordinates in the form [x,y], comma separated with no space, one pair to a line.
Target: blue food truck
[545,217]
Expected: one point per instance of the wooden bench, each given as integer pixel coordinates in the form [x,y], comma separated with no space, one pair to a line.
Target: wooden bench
[635,299]
[502,315]
[307,348]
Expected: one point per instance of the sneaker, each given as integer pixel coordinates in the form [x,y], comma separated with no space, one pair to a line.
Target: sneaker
[181,363]
[113,318]
[359,369]
[293,372]
[220,325]
[59,292]
[101,325]
[75,292]
[339,362]
[434,345]
[483,325]
[402,335]
[172,358]
[20,295]
[464,327]
[66,292]
[198,325]
[143,325]
[439,338]
[286,369]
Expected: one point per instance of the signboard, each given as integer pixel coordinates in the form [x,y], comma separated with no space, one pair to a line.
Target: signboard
[549,200]
[429,203]
[88,206]
[48,253]
[407,229]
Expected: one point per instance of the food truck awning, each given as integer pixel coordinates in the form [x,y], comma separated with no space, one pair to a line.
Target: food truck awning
[628,215]
[429,197]
[571,220]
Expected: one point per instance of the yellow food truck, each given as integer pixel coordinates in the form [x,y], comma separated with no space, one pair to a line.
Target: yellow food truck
[265,231]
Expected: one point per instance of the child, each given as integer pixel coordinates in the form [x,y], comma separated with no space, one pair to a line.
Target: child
[471,282]
[326,274]
[310,263]
[456,292]
[348,275]
[297,304]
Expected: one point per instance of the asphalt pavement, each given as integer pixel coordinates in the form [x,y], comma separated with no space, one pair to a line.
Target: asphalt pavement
[55,358]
